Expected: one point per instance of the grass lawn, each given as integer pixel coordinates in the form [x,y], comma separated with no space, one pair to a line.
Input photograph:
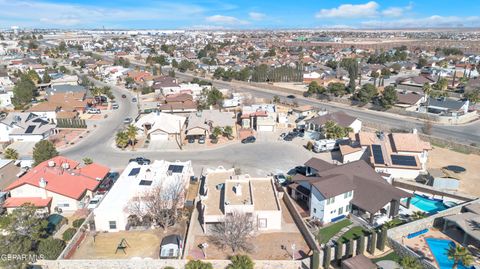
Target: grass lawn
[328,232]
[391,257]
[352,233]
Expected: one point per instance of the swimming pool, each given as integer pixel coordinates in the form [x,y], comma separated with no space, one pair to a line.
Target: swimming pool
[427,205]
[439,248]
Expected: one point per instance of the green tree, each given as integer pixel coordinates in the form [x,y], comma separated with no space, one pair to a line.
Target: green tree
[228,131]
[23,91]
[459,254]
[422,62]
[50,248]
[473,96]
[214,96]
[46,77]
[197,264]
[241,262]
[132,134]
[43,150]
[336,88]
[366,93]
[351,65]
[409,262]
[335,131]
[217,131]
[389,97]
[69,233]
[87,160]
[10,153]
[121,139]
[276,99]
[418,215]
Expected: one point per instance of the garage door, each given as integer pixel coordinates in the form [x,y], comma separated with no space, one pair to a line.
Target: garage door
[265,128]
[158,136]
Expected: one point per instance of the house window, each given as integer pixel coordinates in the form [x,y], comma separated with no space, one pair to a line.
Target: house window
[63,204]
[331,201]
[348,194]
[347,208]
[262,223]
[113,225]
[340,211]
[171,252]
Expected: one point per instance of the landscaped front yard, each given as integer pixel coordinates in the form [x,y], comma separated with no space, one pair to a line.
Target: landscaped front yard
[325,234]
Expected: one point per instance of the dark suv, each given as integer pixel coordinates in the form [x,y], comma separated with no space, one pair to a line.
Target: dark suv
[140,161]
[250,139]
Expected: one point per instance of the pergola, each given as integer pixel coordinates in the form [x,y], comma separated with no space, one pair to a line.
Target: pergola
[468,222]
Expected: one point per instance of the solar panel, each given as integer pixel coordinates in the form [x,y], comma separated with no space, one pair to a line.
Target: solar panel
[134,172]
[145,182]
[175,168]
[377,154]
[30,129]
[403,160]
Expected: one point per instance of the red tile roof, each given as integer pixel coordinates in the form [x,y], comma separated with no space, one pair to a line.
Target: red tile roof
[71,182]
[12,202]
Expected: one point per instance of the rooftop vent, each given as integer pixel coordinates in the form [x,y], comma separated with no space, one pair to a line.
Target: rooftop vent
[51,163]
[65,165]
[42,183]
[237,189]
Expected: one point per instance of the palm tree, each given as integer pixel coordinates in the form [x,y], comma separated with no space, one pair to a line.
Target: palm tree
[409,262]
[10,154]
[276,99]
[121,139]
[459,254]
[228,131]
[87,160]
[241,262]
[418,215]
[427,90]
[132,134]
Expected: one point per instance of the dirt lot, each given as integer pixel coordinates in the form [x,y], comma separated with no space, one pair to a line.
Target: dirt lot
[268,246]
[469,180]
[141,244]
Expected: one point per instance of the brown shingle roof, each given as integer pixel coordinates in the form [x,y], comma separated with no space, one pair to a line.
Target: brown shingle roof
[340,117]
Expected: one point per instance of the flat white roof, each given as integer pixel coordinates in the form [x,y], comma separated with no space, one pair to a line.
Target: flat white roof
[135,179]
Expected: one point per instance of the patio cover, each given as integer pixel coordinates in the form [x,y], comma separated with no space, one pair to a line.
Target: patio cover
[469,222]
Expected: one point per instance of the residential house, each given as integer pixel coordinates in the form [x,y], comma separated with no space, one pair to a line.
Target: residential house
[160,126]
[402,155]
[201,123]
[445,106]
[61,105]
[171,246]
[165,85]
[409,100]
[25,126]
[314,125]
[136,181]
[9,171]
[177,103]
[6,99]
[224,192]
[59,183]
[303,111]
[332,192]
[262,118]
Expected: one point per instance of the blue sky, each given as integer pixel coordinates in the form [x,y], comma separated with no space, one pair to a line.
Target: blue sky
[241,14]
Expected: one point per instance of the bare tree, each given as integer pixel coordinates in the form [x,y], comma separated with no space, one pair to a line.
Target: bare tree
[235,232]
[160,204]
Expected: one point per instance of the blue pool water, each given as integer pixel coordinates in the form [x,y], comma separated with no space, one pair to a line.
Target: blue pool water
[427,205]
[439,248]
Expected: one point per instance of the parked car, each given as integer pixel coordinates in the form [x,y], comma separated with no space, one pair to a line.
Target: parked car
[124,96]
[291,96]
[134,99]
[281,179]
[282,135]
[201,140]
[191,140]
[300,119]
[301,170]
[140,160]
[127,120]
[105,186]
[115,106]
[289,137]
[250,139]
[95,201]
[94,111]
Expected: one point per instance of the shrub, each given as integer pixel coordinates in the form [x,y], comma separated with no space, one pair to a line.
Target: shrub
[315,260]
[78,222]
[50,248]
[309,146]
[198,265]
[328,257]
[69,233]
[241,262]
[373,243]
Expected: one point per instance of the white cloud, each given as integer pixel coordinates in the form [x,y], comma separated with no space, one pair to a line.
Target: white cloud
[397,11]
[226,20]
[369,9]
[432,21]
[256,16]
[47,14]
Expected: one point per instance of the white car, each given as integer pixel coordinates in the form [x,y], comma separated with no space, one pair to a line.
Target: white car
[94,111]
[95,201]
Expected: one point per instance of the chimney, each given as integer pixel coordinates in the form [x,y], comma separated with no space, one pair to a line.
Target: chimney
[43,184]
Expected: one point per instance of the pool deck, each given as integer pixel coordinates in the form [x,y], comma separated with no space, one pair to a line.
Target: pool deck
[420,246]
